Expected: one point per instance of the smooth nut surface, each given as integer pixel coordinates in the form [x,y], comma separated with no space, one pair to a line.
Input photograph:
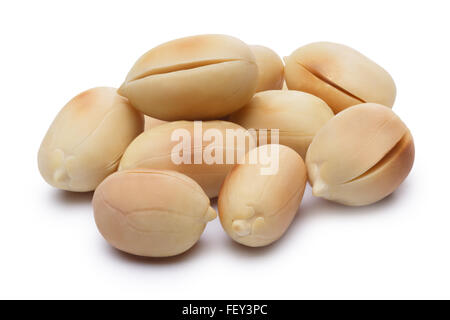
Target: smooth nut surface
[256,210]
[86,140]
[339,75]
[151,213]
[152,122]
[360,156]
[270,69]
[297,115]
[194,78]
[154,148]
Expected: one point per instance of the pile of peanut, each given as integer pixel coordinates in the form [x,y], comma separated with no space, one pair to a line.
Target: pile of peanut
[323,116]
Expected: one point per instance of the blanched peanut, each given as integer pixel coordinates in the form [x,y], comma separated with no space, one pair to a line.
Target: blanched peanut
[86,140]
[154,149]
[255,209]
[297,115]
[360,156]
[270,69]
[194,78]
[151,213]
[339,75]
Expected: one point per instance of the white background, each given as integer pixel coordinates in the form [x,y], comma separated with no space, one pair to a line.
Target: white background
[49,245]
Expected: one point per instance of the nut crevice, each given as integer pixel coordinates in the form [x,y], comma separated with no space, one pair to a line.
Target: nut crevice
[183,67]
[386,158]
[329,82]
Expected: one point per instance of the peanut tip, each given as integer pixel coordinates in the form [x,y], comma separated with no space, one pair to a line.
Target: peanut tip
[241,227]
[258,224]
[319,189]
[60,175]
[211,214]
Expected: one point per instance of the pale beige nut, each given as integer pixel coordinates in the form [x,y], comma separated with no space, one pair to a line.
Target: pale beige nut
[270,69]
[360,156]
[151,213]
[339,75]
[297,115]
[152,122]
[256,210]
[155,148]
[86,140]
[194,78]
